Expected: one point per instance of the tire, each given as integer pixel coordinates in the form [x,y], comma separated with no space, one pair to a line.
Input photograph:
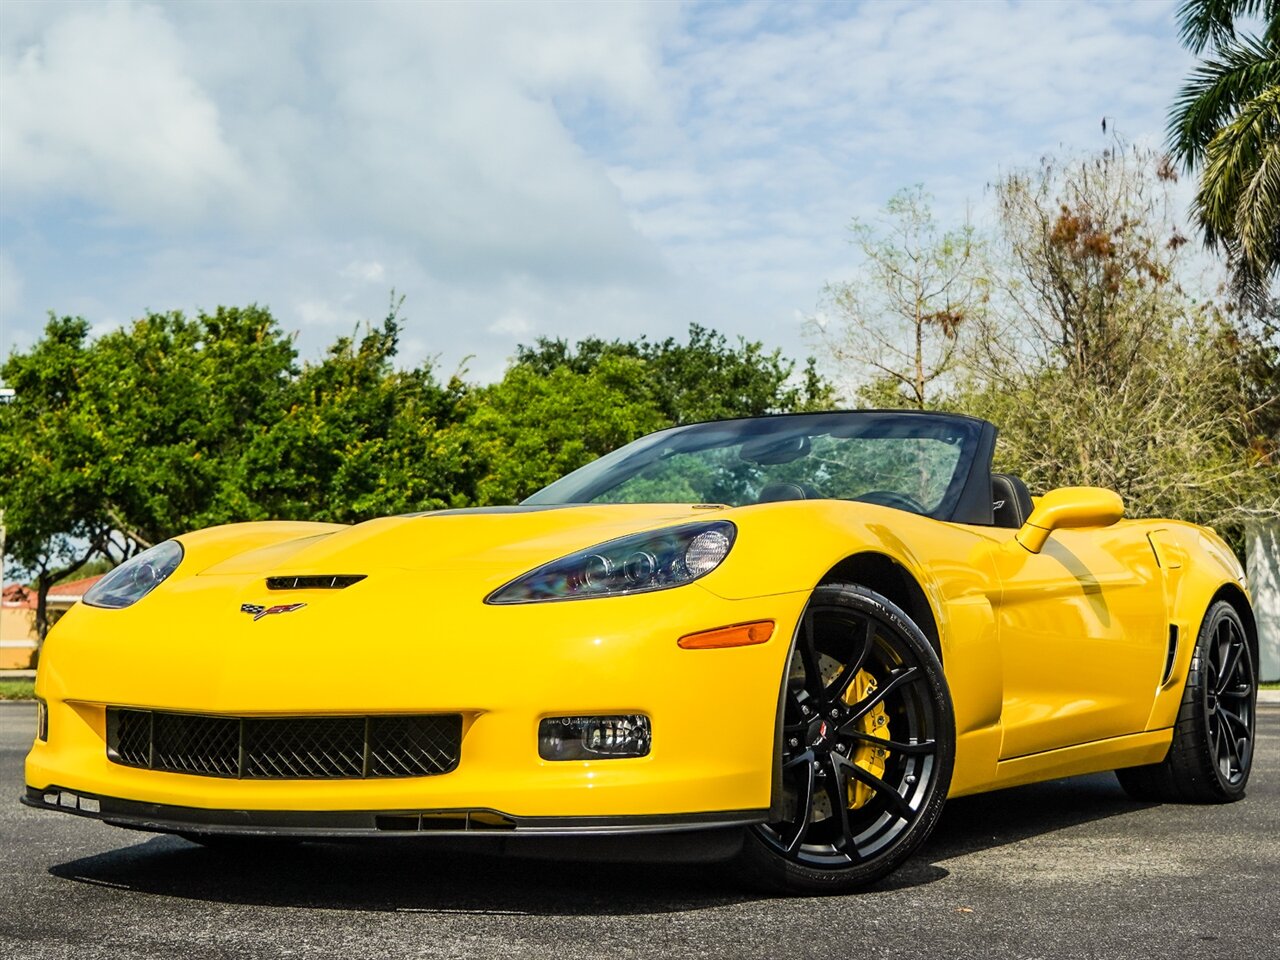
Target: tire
[866,749]
[1212,750]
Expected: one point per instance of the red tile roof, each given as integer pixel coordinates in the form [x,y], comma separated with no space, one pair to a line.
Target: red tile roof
[20,595]
[17,595]
[73,589]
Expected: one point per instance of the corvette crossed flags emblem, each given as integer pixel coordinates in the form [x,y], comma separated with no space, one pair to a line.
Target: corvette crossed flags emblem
[260,611]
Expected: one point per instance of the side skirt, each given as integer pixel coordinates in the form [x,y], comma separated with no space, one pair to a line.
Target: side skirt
[1128,751]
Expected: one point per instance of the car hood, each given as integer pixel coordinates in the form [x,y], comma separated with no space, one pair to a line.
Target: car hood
[510,539]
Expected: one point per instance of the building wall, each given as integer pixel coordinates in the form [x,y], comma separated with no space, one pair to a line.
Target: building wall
[17,636]
[1263,561]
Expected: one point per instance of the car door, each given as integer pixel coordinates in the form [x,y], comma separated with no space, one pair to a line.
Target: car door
[1083,637]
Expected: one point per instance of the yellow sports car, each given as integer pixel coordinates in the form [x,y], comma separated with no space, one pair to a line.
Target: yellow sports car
[799,634]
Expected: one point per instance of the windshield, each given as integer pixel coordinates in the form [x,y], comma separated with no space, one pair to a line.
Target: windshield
[912,461]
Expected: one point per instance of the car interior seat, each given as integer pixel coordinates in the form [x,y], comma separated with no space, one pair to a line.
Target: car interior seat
[785,490]
[1011,500]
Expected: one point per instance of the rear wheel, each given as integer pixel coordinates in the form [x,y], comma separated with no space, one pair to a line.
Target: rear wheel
[867,746]
[1212,750]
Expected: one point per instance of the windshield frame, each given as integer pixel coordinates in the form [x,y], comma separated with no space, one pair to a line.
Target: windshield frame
[967,498]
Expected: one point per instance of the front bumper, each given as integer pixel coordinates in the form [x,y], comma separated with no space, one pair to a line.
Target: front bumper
[713,712]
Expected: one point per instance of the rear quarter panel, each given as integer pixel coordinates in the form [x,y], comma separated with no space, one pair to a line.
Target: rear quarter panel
[1196,564]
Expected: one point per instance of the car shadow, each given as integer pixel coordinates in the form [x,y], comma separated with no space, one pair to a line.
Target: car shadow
[415,876]
[988,820]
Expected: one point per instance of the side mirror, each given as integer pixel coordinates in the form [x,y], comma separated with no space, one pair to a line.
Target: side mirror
[1069,507]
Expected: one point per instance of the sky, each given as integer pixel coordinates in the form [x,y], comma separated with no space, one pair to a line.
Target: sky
[527,169]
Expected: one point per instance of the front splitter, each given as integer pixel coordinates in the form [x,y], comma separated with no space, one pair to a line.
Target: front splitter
[319,824]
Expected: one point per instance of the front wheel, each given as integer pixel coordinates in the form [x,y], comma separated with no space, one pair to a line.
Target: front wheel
[867,747]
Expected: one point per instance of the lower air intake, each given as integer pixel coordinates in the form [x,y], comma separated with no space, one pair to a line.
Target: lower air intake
[285,748]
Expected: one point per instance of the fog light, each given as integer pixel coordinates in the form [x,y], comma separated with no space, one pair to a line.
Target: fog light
[593,738]
[42,720]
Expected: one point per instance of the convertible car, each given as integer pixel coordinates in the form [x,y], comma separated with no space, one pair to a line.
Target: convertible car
[800,632]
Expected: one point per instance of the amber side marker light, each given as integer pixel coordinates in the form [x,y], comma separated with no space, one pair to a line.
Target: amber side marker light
[738,635]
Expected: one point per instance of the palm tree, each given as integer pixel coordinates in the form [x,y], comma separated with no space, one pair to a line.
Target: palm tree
[1226,121]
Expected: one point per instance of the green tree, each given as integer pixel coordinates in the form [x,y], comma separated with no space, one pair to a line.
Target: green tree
[53,516]
[1226,123]
[705,378]
[531,427]
[357,438]
[178,400]
[902,322]
[115,444]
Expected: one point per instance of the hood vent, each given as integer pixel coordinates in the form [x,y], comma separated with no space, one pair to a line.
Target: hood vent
[325,582]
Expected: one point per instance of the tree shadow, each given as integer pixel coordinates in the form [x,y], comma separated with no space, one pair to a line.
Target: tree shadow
[478,877]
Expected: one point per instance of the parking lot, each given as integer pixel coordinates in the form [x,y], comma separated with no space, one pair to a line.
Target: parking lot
[1066,869]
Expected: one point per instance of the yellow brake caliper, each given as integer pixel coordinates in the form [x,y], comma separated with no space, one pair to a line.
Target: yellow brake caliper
[869,756]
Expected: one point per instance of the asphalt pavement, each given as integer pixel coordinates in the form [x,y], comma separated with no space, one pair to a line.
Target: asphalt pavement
[1071,868]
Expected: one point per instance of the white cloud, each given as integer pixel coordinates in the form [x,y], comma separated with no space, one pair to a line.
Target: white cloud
[322,313]
[564,169]
[100,108]
[512,323]
[370,271]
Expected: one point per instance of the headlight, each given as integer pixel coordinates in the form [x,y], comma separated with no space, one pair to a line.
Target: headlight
[636,564]
[136,577]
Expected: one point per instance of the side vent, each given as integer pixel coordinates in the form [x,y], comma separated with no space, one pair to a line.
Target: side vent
[327,582]
[1172,655]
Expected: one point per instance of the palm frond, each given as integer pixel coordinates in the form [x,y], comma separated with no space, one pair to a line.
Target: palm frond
[1238,202]
[1257,223]
[1216,90]
[1205,22]
[1231,159]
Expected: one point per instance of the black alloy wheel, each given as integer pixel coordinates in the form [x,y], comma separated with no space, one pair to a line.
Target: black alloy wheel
[867,747]
[1229,701]
[1212,750]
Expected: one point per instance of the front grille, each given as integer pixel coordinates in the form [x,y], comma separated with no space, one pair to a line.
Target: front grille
[285,748]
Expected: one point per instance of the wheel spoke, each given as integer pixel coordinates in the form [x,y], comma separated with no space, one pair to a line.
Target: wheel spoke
[809,656]
[837,789]
[804,756]
[915,749]
[798,700]
[1219,741]
[804,806]
[864,706]
[1234,720]
[896,802]
[1238,692]
[1232,752]
[1229,667]
[840,688]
